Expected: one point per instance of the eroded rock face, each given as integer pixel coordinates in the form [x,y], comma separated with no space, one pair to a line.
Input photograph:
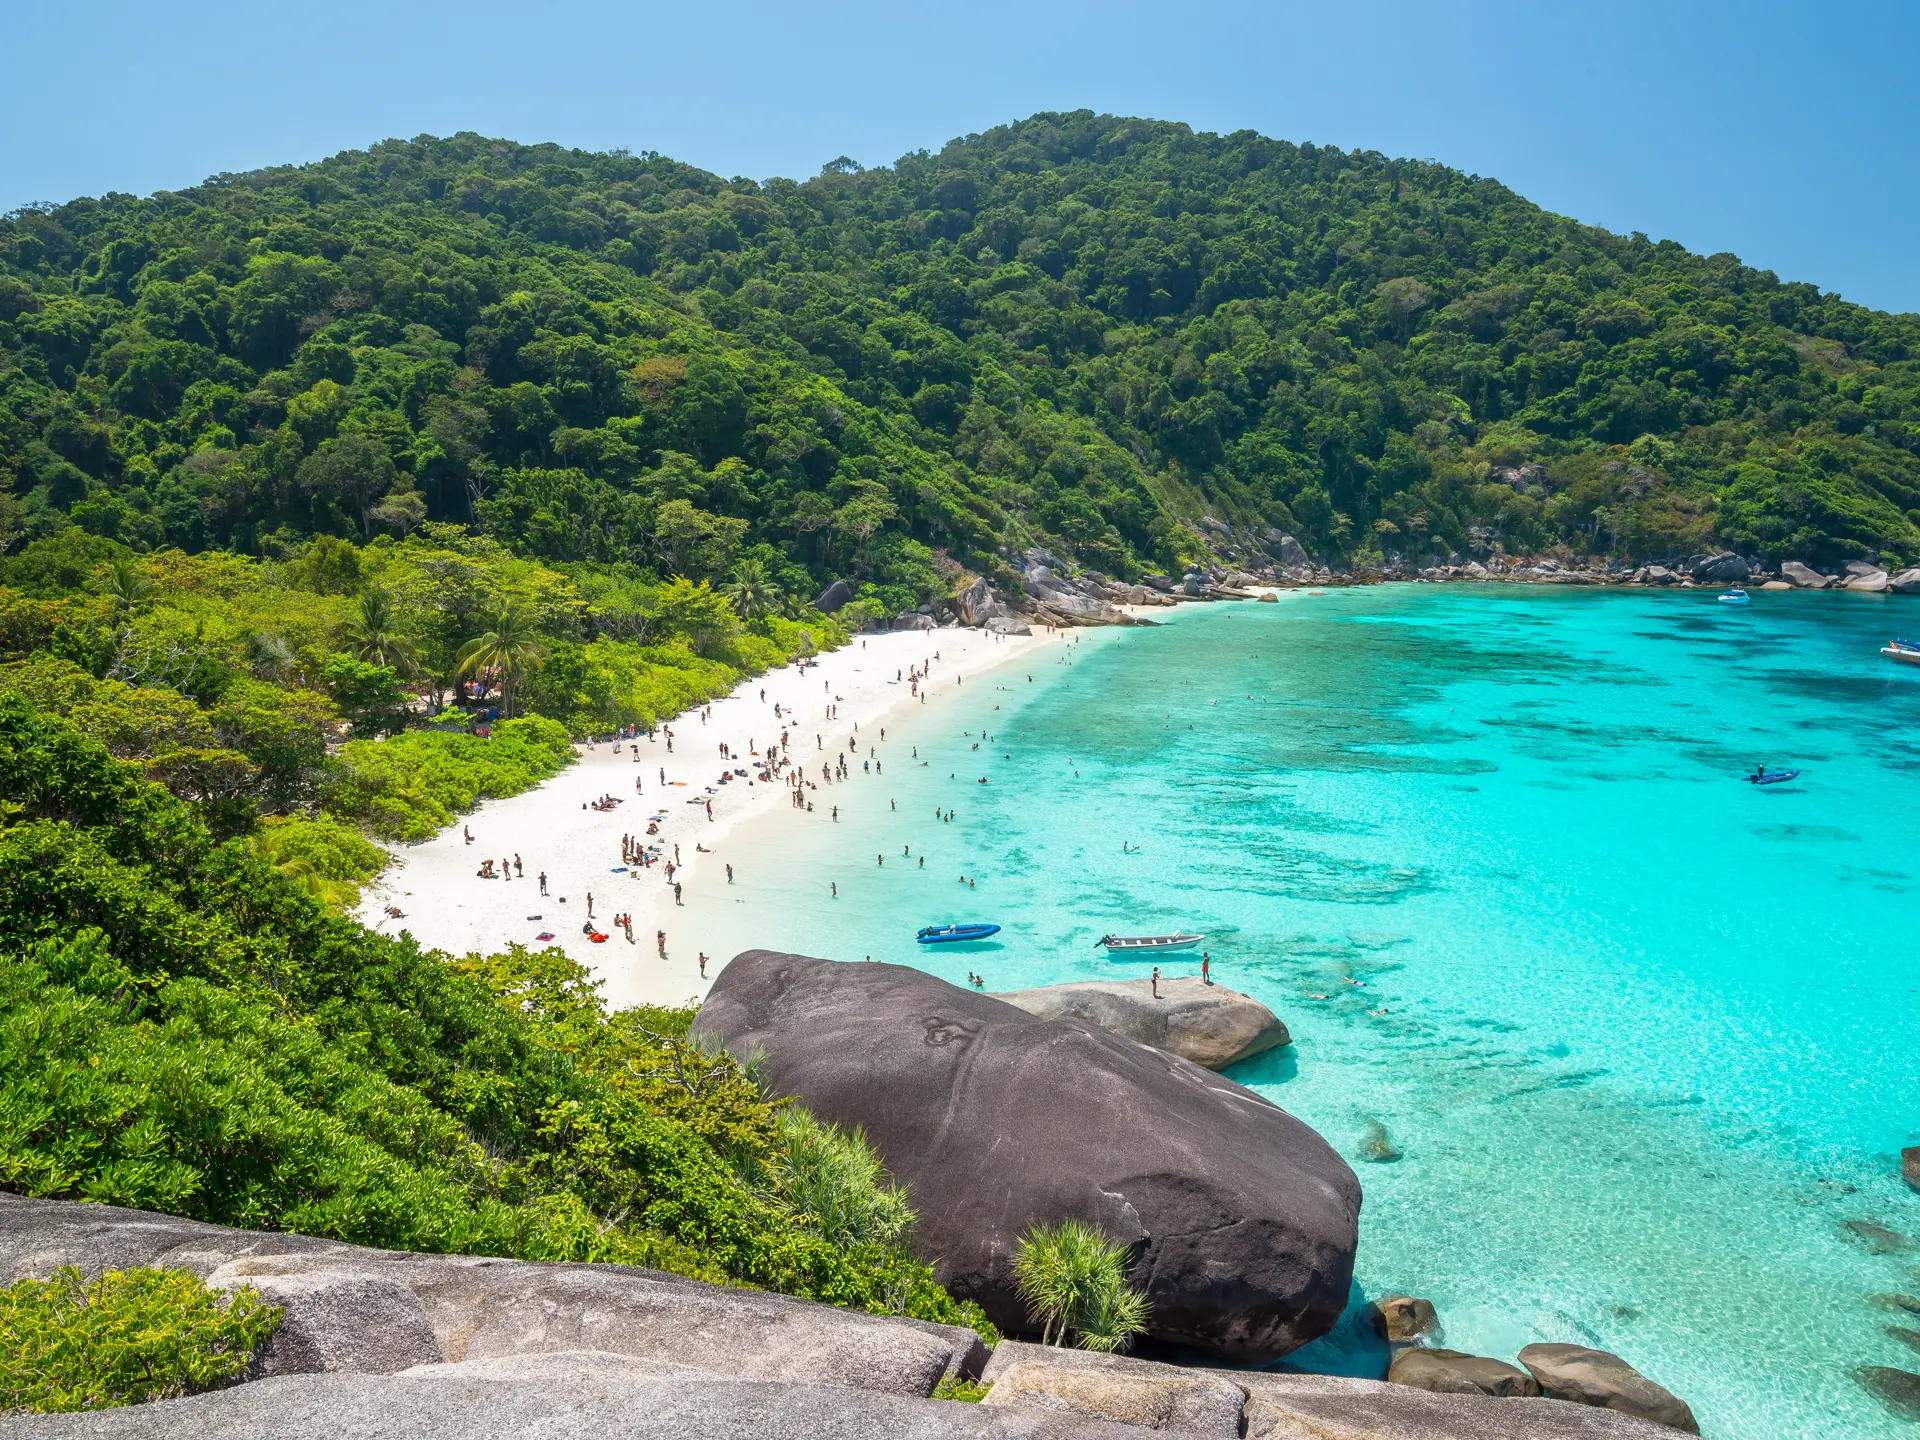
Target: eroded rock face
[1402,1319]
[1452,1372]
[1243,1218]
[1870,581]
[1596,1377]
[1210,1025]
[833,597]
[1906,582]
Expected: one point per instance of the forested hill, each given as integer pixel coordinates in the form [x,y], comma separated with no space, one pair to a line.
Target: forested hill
[1078,330]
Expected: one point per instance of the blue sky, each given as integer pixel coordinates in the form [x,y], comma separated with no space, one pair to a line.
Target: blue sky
[1783,132]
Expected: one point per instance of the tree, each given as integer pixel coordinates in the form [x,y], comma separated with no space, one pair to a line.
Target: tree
[507,651]
[372,635]
[1074,1280]
[752,591]
[695,611]
[369,695]
[351,472]
[125,582]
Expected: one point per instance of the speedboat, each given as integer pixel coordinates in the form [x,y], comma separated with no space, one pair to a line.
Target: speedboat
[948,934]
[1735,596]
[1906,652]
[1179,940]
[1771,777]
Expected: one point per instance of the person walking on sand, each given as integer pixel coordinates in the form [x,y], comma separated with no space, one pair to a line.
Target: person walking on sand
[729,874]
[543,882]
[589,904]
[660,939]
[518,868]
[676,892]
[703,964]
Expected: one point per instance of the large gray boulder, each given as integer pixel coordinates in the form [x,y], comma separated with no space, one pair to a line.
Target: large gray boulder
[562,1397]
[1805,576]
[1243,1219]
[1279,1405]
[833,597]
[1865,579]
[1597,1377]
[349,1312]
[1210,1025]
[1721,569]
[977,603]
[1906,582]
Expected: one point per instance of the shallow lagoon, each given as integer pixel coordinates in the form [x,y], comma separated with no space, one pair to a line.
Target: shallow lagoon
[1648,1043]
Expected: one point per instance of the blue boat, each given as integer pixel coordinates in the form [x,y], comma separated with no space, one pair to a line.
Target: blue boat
[948,934]
[1772,777]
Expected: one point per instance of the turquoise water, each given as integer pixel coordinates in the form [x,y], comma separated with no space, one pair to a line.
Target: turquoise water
[1641,1037]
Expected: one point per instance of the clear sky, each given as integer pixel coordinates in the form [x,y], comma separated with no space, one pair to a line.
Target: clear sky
[1785,132]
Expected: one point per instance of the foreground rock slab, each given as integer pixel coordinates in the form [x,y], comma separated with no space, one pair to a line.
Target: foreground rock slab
[1210,1025]
[354,1309]
[1244,1219]
[572,1397]
[1452,1372]
[1596,1377]
[1276,1405]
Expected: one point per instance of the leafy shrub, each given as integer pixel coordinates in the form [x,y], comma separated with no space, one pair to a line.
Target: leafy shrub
[128,1337]
[952,1387]
[1074,1281]
[412,785]
[327,859]
[833,1177]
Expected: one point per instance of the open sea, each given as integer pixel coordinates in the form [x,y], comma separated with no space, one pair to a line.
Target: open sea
[1622,1048]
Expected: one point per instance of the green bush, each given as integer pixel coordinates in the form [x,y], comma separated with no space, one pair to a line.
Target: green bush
[128,1337]
[412,785]
[327,859]
[1074,1281]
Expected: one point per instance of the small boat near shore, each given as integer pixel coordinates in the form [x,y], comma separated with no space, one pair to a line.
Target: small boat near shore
[1735,596]
[1772,777]
[950,934]
[1134,944]
[1906,652]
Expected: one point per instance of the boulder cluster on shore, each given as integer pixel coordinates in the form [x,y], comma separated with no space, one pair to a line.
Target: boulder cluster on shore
[1053,591]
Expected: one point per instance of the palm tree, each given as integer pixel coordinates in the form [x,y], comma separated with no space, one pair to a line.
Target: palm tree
[1075,1279]
[753,591]
[508,652]
[371,637]
[125,582]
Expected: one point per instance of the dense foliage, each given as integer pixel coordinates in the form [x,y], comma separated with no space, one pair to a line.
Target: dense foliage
[184,1028]
[127,1337]
[1083,329]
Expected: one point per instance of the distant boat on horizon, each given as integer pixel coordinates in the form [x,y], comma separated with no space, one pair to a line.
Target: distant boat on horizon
[1179,940]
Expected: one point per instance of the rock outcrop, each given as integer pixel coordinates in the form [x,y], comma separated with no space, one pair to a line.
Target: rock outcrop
[1275,1405]
[1898,1390]
[1721,569]
[833,597]
[1208,1024]
[1864,578]
[1596,1377]
[1804,576]
[1242,1218]
[1453,1372]
[355,1309]
[1906,582]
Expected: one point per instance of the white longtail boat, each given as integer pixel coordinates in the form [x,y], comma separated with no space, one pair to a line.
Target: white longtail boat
[1133,943]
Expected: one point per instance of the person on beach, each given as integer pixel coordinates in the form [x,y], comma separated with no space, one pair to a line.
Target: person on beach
[1156,982]
[676,892]
[506,868]
[703,964]
[729,874]
[518,868]
[468,833]
[833,886]
[543,882]
[589,904]
[660,939]
[1206,968]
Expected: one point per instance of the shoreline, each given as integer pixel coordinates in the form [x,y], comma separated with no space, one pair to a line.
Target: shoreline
[445,905]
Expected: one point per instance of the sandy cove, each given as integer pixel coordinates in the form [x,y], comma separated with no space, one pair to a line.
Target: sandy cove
[447,906]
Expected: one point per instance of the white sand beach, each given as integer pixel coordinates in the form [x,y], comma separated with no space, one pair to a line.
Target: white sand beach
[446,905]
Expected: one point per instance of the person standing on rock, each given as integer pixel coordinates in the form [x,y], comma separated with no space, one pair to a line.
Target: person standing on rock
[1206,968]
[1156,982]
